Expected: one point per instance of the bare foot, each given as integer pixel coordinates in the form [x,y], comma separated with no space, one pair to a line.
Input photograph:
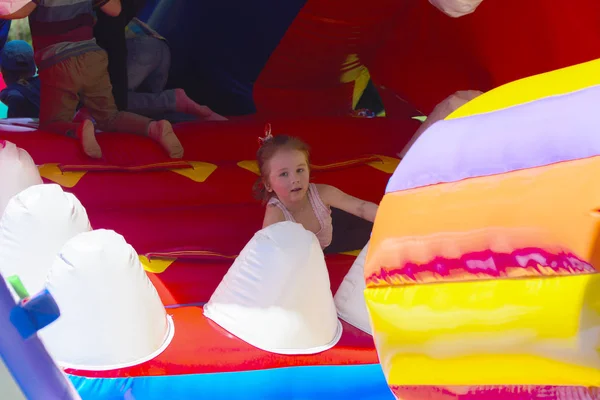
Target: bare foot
[162,132]
[86,132]
[186,105]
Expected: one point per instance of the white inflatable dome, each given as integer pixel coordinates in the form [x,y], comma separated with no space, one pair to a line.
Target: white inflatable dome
[111,315]
[17,172]
[276,296]
[37,222]
[350,296]
[456,8]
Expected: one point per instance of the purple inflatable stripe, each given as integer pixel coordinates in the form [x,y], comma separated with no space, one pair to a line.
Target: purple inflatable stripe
[546,131]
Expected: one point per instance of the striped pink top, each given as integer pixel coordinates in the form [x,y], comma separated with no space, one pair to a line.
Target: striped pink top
[322,212]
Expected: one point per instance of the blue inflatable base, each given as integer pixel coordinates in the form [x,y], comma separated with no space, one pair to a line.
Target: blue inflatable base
[365,382]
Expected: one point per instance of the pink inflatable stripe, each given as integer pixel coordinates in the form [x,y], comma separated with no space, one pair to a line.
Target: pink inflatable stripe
[482,265]
[496,393]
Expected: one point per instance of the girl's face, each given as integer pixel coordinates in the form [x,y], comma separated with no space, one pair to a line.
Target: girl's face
[288,175]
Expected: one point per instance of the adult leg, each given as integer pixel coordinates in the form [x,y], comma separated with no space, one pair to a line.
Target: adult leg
[157,80]
[169,102]
[149,61]
[97,96]
[59,87]
[186,105]
[152,104]
[148,64]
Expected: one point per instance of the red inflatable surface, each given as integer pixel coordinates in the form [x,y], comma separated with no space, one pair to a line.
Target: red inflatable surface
[200,346]
[416,55]
[136,192]
[190,218]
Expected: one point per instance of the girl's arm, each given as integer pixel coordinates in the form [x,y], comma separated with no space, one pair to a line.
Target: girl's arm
[338,199]
[273,215]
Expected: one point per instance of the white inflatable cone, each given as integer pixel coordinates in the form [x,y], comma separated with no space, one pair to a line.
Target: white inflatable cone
[276,296]
[456,8]
[111,315]
[350,296]
[36,224]
[17,172]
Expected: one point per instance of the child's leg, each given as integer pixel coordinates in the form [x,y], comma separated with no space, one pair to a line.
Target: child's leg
[148,64]
[169,101]
[59,85]
[98,98]
[186,105]
[151,104]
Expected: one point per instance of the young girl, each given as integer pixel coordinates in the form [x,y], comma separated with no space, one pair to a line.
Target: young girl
[284,164]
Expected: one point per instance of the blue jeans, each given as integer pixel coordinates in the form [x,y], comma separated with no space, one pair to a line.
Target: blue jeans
[148,64]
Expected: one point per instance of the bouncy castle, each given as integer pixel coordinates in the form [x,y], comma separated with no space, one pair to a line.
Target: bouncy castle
[142,277]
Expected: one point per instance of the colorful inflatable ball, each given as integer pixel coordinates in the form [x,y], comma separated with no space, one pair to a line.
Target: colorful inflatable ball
[482,266]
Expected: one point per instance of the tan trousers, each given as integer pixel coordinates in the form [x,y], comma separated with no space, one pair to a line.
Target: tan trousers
[83,77]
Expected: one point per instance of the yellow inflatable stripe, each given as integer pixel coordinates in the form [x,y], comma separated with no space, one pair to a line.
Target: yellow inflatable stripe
[351,68]
[387,164]
[541,331]
[250,165]
[53,173]
[197,171]
[159,262]
[159,265]
[156,266]
[353,253]
[561,81]
[360,84]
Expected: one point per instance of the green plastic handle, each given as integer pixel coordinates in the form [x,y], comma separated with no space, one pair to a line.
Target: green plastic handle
[18,286]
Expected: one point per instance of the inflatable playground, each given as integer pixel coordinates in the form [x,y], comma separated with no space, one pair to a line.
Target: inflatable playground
[142,277]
